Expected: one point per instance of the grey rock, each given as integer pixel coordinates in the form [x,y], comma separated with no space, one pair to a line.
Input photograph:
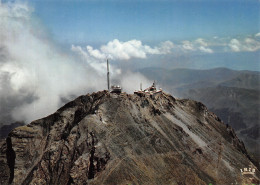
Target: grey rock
[104,138]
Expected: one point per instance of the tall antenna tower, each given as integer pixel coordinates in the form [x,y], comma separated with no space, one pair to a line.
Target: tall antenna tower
[108,81]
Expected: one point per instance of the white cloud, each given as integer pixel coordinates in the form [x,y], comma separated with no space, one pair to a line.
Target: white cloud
[125,50]
[95,53]
[206,50]
[131,81]
[257,35]
[202,45]
[201,42]
[244,45]
[117,50]
[235,45]
[239,44]
[33,71]
[166,47]
[94,59]
[187,45]
[133,49]
[251,44]
[35,75]
[197,45]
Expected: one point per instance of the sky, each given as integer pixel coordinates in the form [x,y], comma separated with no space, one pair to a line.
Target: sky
[149,21]
[54,50]
[96,22]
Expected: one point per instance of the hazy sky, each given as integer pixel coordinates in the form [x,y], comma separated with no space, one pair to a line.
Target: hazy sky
[90,21]
[95,22]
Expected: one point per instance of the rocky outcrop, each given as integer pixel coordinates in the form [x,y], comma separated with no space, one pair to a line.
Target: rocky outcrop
[104,138]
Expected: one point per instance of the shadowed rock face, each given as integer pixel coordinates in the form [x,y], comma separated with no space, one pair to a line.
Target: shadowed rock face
[105,138]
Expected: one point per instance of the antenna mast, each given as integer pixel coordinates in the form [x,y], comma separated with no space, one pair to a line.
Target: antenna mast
[108,82]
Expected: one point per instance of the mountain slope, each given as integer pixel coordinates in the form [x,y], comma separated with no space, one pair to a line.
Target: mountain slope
[237,107]
[233,95]
[106,138]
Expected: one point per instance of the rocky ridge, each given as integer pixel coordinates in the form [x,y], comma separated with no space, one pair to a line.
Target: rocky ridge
[104,138]
[230,94]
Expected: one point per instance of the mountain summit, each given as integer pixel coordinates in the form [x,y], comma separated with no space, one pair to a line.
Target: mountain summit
[105,138]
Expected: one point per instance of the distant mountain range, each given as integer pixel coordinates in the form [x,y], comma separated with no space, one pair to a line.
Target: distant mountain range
[233,95]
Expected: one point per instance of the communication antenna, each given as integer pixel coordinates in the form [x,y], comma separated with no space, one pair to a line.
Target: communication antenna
[108,81]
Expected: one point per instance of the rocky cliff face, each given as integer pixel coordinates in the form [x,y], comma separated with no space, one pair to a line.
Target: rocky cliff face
[106,138]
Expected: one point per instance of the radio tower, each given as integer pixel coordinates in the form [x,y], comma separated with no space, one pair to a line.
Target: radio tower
[108,82]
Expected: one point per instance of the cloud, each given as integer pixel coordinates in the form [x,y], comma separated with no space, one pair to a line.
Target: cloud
[257,34]
[165,47]
[235,45]
[121,51]
[218,44]
[197,45]
[187,45]
[95,53]
[245,45]
[131,81]
[205,50]
[118,50]
[34,73]
[125,50]
[201,42]
[251,44]
[36,76]
[93,58]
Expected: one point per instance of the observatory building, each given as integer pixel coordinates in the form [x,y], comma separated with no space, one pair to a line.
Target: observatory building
[149,91]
